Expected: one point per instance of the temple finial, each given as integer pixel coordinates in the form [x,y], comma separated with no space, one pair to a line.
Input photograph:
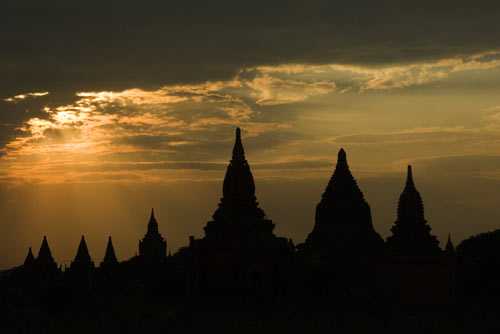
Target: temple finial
[409,178]
[152,214]
[238,152]
[342,155]
[342,159]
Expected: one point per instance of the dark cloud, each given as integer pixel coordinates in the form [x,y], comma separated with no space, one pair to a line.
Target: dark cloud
[95,45]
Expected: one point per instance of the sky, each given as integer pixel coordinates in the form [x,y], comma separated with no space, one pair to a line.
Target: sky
[108,110]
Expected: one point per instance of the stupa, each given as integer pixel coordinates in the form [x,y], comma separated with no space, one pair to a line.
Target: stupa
[239,251]
[412,265]
[153,247]
[343,243]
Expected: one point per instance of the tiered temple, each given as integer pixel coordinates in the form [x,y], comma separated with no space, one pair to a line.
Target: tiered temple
[239,251]
[343,243]
[153,247]
[412,265]
[411,233]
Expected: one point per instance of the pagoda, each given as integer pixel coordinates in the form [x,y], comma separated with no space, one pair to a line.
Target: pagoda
[81,270]
[110,259]
[342,246]
[42,270]
[109,271]
[153,247]
[412,265]
[30,259]
[239,252]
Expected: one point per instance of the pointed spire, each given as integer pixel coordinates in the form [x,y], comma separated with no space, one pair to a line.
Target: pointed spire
[341,157]
[29,258]
[44,254]
[450,249]
[238,151]
[343,218]
[409,180]
[342,184]
[82,255]
[153,224]
[410,206]
[110,256]
[411,231]
[238,182]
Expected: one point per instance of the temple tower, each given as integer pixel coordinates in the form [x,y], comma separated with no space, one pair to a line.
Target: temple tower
[340,250]
[153,248]
[239,252]
[42,271]
[412,265]
[110,259]
[30,259]
[411,233]
[81,270]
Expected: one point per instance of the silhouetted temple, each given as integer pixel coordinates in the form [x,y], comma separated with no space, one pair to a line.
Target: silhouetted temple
[153,248]
[239,251]
[343,243]
[110,259]
[30,259]
[412,265]
[81,269]
[41,271]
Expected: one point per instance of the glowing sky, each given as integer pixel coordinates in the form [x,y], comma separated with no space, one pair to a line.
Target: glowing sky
[104,114]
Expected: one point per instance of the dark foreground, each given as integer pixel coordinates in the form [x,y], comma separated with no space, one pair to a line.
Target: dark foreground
[144,313]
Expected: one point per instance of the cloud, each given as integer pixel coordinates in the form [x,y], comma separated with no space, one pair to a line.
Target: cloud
[24,96]
[272,91]
[195,41]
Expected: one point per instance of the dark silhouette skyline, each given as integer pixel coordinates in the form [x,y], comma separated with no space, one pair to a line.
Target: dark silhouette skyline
[344,264]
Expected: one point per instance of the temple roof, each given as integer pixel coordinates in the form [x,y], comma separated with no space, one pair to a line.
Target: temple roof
[29,258]
[110,256]
[411,231]
[410,206]
[238,182]
[238,209]
[44,255]
[343,220]
[342,185]
[153,224]
[82,255]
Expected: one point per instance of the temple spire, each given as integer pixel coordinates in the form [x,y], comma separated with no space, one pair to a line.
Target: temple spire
[44,254]
[342,184]
[29,258]
[152,247]
[110,256]
[409,180]
[410,206]
[411,231]
[342,158]
[82,254]
[153,224]
[450,249]
[238,182]
[238,151]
